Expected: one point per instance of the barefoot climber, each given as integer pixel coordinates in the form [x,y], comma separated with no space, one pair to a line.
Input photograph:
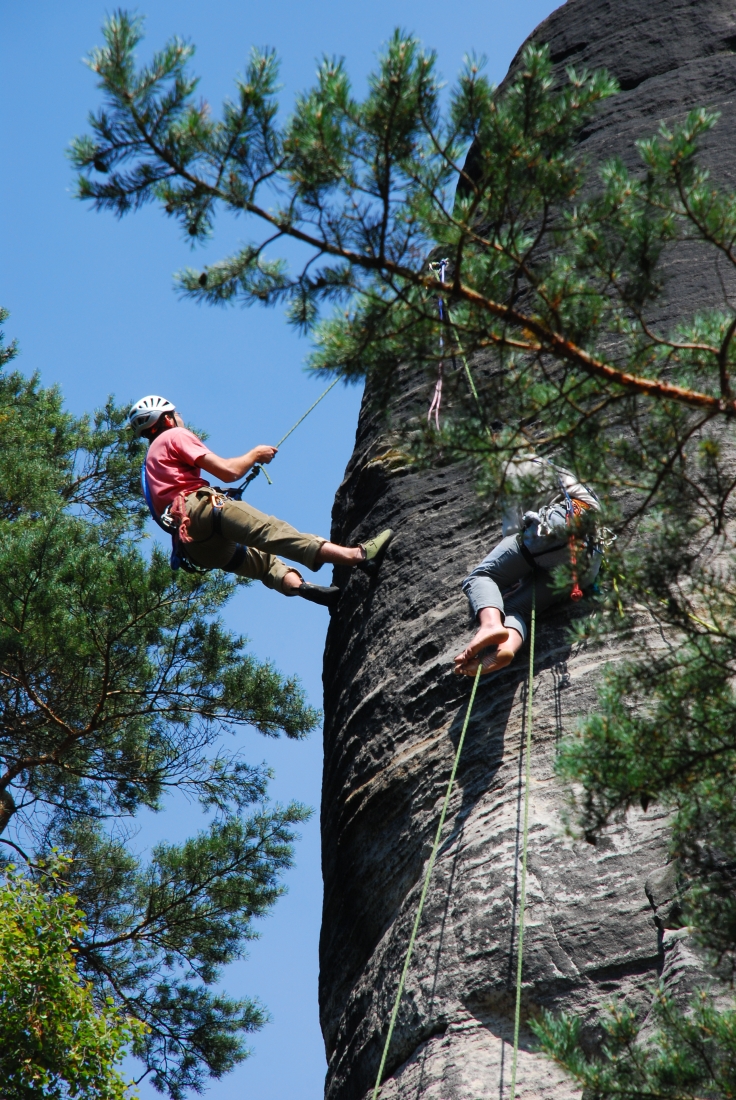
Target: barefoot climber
[216,532]
[499,590]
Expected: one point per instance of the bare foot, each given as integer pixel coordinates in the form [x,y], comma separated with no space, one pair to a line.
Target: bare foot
[487,634]
[489,662]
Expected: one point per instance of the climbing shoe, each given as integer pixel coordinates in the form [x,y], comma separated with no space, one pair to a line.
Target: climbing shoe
[318,593]
[375,551]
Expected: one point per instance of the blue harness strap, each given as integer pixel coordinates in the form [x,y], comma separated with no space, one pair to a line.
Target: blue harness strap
[148,499]
[175,561]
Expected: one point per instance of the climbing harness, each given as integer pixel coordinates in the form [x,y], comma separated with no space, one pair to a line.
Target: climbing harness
[525,839]
[178,559]
[433,857]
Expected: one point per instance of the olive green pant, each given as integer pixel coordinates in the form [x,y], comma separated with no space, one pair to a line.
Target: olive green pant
[263,536]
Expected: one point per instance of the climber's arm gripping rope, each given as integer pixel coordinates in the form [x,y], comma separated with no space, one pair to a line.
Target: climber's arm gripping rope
[236,494]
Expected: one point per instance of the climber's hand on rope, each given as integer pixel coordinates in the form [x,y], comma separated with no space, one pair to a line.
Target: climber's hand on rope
[232,469]
[262,453]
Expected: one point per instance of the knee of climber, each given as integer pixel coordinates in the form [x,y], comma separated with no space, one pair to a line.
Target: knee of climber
[485,572]
[254,565]
[480,570]
[470,582]
[482,591]
[475,582]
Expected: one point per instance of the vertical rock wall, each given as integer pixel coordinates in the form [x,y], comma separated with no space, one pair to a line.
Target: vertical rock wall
[393,709]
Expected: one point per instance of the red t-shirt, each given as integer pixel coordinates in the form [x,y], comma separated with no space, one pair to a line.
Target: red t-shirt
[172,466]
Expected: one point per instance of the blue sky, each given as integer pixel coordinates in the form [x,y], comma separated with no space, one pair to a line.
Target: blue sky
[93,308]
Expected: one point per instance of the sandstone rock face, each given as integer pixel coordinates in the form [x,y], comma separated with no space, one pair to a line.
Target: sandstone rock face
[394,710]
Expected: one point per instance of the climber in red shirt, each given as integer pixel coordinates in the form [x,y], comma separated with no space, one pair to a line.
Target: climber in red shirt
[216,532]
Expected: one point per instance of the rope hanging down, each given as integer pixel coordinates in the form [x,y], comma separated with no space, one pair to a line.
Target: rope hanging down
[525,839]
[257,469]
[433,856]
[425,888]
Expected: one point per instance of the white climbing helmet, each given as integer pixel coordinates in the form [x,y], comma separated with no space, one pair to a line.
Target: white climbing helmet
[146,412]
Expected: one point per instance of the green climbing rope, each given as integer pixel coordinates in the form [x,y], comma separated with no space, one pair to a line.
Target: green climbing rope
[525,840]
[258,468]
[425,888]
[306,414]
[469,376]
[435,849]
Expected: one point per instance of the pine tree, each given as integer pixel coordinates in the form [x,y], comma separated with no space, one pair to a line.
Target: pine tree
[553,282]
[118,683]
[54,1040]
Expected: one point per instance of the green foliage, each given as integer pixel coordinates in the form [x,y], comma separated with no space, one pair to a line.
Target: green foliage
[6,353]
[552,341]
[687,1057]
[679,749]
[55,1041]
[159,934]
[554,281]
[118,684]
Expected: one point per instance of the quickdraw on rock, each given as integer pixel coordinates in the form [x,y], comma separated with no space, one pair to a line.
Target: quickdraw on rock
[439,268]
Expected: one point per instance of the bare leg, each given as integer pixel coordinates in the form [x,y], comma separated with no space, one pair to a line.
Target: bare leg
[292,580]
[332,554]
[495,659]
[490,632]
